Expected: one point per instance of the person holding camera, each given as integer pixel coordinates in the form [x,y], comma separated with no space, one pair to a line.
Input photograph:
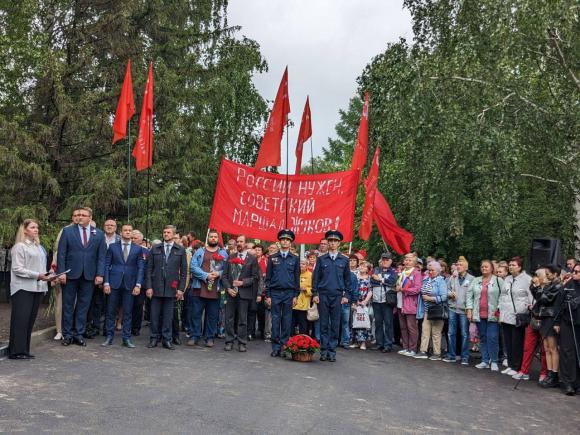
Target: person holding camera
[567,324]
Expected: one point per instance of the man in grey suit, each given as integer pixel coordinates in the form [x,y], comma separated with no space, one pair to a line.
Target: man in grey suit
[165,282]
[240,277]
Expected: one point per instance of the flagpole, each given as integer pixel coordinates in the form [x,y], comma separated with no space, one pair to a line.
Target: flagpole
[148,194]
[311,156]
[129,174]
[287,161]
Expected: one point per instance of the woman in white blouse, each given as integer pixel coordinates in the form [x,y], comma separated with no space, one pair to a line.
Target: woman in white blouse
[28,285]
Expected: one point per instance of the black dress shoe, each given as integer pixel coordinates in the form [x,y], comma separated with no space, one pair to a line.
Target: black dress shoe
[229,346]
[323,358]
[79,342]
[152,343]
[387,350]
[19,356]
[177,341]
[66,341]
[242,348]
[29,355]
[332,358]
[569,390]
[168,345]
[275,353]
[135,333]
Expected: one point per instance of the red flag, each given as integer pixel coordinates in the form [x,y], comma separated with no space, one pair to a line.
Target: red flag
[143,151]
[361,149]
[366,222]
[303,135]
[269,154]
[125,107]
[395,236]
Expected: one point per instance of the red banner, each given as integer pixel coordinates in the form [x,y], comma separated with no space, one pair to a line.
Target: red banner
[254,203]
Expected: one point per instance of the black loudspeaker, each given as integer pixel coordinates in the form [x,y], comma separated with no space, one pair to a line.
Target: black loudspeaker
[545,251]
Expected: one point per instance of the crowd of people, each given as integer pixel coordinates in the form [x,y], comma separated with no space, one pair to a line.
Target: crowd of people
[105,282]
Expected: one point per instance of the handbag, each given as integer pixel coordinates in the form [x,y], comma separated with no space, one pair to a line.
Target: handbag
[312,313]
[438,312]
[391,298]
[361,319]
[522,319]
[535,323]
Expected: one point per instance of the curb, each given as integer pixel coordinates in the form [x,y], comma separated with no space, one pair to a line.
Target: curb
[36,338]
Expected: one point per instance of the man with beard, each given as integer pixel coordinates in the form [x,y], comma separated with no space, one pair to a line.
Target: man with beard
[206,267]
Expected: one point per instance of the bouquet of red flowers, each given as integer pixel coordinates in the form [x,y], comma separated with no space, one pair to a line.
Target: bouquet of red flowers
[215,264]
[237,260]
[302,344]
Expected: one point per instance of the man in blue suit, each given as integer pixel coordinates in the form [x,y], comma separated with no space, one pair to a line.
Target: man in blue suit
[124,271]
[81,251]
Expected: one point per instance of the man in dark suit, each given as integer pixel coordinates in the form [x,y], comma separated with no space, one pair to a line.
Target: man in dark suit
[165,282]
[240,278]
[81,249]
[138,300]
[124,270]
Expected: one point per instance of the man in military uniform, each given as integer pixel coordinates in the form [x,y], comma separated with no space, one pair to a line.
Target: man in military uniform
[331,287]
[282,290]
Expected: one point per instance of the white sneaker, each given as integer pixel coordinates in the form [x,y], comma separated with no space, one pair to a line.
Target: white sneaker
[58,336]
[521,376]
[512,373]
[505,371]
[402,352]
[482,365]
[494,367]
[504,362]
[353,346]
[410,353]
[363,346]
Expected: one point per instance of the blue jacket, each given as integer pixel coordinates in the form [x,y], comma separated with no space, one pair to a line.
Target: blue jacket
[83,262]
[332,276]
[197,274]
[354,288]
[121,274]
[438,290]
[283,273]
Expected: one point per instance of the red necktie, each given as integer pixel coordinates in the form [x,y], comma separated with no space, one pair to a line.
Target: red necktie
[85,241]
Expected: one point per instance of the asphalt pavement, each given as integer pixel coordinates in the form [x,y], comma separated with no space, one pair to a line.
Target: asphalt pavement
[209,391]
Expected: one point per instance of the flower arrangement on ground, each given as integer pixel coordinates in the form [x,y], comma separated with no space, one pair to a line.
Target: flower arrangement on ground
[302,347]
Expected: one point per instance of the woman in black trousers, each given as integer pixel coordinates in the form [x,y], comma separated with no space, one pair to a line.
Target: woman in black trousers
[28,284]
[569,330]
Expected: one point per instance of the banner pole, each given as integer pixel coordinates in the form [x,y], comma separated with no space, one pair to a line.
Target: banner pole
[350,248]
[129,174]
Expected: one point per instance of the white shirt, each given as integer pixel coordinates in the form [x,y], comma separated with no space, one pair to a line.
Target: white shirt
[88,227]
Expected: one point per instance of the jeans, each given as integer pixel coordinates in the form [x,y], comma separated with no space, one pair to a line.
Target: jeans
[317,330]
[383,325]
[329,309]
[458,320]
[74,315]
[489,340]
[211,307]
[281,317]
[344,324]
[125,297]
